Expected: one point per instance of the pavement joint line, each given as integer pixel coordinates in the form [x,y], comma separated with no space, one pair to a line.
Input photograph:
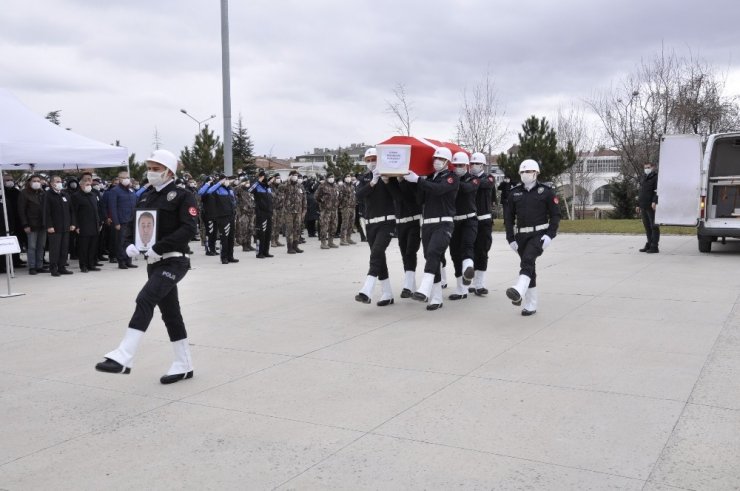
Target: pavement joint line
[725,325]
[715,407]
[378,365]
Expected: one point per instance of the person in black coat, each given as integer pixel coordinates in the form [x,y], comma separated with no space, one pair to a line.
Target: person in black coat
[647,200]
[58,223]
[86,217]
[11,195]
[263,213]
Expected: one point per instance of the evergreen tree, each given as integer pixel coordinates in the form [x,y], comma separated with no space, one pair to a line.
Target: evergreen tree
[342,166]
[206,155]
[243,149]
[54,116]
[538,141]
[623,197]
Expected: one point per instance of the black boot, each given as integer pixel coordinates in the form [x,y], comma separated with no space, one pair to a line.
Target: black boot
[645,249]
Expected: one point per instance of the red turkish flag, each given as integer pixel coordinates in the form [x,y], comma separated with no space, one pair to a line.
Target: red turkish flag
[422,151]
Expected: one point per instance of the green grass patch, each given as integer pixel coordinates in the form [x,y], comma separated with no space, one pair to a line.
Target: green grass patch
[607,226]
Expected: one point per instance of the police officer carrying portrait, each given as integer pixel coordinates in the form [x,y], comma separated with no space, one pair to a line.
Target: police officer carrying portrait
[220,202]
[293,203]
[167,264]
[531,218]
[465,229]
[647,200]
[377,193]
[485,200]
[262,193]
[327,196]
[437,194]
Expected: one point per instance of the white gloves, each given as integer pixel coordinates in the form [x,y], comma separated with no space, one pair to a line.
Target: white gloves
[152,254]
[412,176]
[132,251]
[376,176]
[545,241]
[514,246]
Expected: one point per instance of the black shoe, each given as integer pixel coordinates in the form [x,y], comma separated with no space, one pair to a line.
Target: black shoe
[171,379]
[112,260]
[514,296]
[97,265]
[653,250]
[406,293]
[645,249]
[65,271]
[111,366]
[481,292]
[84,270]
[527,313]
[32,271]
[43,270]
[233,260]
[122,266]
[383,303]
[434,306]
[362,298]
[468,275]
[457,296]
[260,256]
[211,253]
[224,261]
[419,297]
[269,255]
[102,258]
[444,285]
[94,269]
[131,265]
[56,273]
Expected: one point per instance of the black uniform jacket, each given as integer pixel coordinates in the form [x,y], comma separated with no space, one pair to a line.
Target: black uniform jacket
[378,199]
[537,206]
[437,193]
[406,204]
[466,194]
[85,213]
[486,196]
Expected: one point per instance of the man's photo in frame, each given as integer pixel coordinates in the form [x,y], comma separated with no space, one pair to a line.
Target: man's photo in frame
[146,229]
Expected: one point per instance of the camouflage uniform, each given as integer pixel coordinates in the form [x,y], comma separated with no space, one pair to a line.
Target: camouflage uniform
[295,209]
[244,218]
[327,196]
[347,203]
[278,213]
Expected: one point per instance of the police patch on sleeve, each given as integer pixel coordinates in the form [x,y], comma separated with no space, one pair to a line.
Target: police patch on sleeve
[555,200]
[192,210]
[450,180]
[475,181]
[171,195]
[490,178]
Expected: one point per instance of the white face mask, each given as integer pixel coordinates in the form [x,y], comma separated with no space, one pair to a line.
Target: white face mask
[294,178]
[125,181]
[57,186]
[86,189]
[330,180]
[648,170]
[300,181]
[439,164]
[476,169]
[347,180]
[371,166]
[36,185]
[528,177]
[156,178]
[9,184]
[460,170]
[96,187]
[227,183]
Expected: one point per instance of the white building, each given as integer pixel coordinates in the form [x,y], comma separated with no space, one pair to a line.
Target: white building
[590,183]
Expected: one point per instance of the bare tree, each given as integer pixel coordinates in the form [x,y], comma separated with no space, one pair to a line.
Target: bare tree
[402,109]
[480,125]
[575,139]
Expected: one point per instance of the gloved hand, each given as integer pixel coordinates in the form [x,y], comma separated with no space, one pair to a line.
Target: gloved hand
[132,251]
[376,176]
[152,254]
[545,241]
[399,178]
[514,246]
[412,176]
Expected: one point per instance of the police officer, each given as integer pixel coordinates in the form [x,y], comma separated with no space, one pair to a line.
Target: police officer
[168,263]
[262,192]
[221,203]
[485,199]
[531,219]
[647,200]
[408,230]
[465,226]
[437,194]
[377,194]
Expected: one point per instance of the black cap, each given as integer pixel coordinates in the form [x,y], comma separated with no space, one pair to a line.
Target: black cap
[262,174]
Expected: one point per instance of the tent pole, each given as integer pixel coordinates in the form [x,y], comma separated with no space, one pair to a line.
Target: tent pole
[8,261]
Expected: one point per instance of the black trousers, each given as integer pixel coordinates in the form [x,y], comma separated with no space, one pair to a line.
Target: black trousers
[378,238]
[462,242]
[263,231]
[483,241]
[58,250]
[120,250]
[652,231]
[530,248]
[87,251]
[409,241]
[225,227]
[311,227]
[161,290]
[435,237]
[358,225]
[211,235]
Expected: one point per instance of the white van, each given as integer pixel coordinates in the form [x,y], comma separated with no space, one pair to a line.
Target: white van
[700,188]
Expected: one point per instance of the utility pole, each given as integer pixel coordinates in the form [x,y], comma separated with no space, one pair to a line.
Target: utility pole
[226,78]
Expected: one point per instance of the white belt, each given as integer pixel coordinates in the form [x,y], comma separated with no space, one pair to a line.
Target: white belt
[464,217]
[167,255]
[381,219]
[409,219]
[437,220]
[524,230]
[484,217]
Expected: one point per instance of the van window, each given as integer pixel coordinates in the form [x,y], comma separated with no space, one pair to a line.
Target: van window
[725,158]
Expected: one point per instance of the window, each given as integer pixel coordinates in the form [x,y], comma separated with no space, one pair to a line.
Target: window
[603,195]
[603,165]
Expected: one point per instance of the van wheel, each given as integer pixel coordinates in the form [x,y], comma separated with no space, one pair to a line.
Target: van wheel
[705,244]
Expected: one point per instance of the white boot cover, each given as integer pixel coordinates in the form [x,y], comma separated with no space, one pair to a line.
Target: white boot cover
[126,351]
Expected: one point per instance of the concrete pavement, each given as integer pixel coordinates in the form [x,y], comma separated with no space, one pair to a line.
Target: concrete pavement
[628,377]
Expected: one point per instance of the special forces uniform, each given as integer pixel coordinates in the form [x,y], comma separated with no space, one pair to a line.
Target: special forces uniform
[485,201]
[327,196]
[244,217]
[466,226]
[531,217]
[294,200]
[168,262]
[278,211]
[347,204]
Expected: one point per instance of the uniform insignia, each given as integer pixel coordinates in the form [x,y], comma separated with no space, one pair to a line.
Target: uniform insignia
[450,180]
[475,181]
[555,200]
[171,195]
[490,178]
[540,190]
[64,199]
[192,210]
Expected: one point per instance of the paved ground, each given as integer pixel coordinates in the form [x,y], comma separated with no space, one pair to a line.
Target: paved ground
[627,378]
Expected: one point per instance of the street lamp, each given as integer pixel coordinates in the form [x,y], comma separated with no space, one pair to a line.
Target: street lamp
[199,122]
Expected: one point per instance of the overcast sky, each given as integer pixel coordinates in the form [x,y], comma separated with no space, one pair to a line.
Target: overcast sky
[318,73]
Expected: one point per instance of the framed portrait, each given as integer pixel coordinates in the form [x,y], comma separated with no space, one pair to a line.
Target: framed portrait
[145,231]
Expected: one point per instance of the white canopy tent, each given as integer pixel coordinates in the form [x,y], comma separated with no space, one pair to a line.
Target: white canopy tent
[29,141]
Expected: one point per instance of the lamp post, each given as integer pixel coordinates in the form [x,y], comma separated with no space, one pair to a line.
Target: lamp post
[199,122]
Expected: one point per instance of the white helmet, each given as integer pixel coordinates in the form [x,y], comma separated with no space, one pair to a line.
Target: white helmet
[166,158]
[460,158]
[478,158]
[529,164]
[443,153]
[370,152]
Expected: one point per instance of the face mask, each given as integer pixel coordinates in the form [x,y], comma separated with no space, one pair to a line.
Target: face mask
[476,169]
[330,180]
[73,185]
[9,184]
[439,164]
[460,170]
[137,187]
[371,166]
[36,185]
[347,180]
[227,183]
[57,186]
[86,189]
[648,170]
[96,187]
[294,178]
[126,182]
[528,178]
[300,181]
[278,181]
[156,179]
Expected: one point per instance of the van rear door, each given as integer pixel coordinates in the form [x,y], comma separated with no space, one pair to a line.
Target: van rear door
[679,175]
